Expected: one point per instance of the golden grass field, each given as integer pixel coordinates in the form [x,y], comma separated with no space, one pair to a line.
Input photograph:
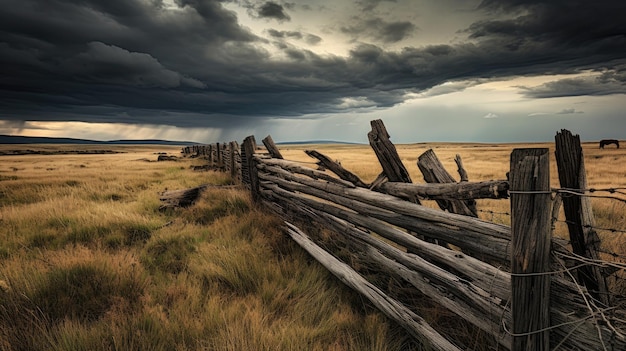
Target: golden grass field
[88,262]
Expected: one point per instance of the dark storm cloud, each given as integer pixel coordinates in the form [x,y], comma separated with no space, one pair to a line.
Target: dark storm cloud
[606,82]
[567,25]
[137,61]
[577,87]
[272,10]
[110,64]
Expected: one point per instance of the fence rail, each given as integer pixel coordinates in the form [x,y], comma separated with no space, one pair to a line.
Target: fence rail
[510,282]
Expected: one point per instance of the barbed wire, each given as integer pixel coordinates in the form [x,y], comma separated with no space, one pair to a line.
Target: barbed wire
[495,212]
[574,193]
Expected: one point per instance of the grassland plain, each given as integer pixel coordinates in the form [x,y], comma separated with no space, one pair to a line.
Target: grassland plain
[88,262]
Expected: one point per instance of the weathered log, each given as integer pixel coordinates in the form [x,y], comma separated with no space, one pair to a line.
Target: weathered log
[530,259]
[298,169]
[410,321]
[434,172]
[167,158]
[493,189]
[180,198]
[336,168]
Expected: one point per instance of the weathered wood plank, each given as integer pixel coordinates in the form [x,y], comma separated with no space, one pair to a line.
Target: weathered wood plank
[530,225]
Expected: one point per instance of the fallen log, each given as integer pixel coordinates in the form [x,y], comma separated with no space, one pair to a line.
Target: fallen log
[186,197]
[180,198]
[166,158]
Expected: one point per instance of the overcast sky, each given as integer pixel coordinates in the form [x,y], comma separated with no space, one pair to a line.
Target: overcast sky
[219,70]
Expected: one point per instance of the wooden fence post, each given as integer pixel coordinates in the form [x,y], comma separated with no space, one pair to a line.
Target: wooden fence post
[232,149]
[248,149]
[271,147]
[218,153]
[530,252]
[578,213]
[387,155]
[209,154]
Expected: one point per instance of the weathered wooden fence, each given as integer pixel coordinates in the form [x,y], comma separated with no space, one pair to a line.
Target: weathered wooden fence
[520,285]
[225,157]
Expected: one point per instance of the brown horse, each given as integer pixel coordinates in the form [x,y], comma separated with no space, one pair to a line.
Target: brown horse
[605,142]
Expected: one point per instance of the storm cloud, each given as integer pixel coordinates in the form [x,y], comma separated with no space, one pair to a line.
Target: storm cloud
[193,63]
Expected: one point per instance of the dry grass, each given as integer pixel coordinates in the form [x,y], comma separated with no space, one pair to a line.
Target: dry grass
[87,262]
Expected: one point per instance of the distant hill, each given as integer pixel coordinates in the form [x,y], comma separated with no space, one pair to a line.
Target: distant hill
[11,139]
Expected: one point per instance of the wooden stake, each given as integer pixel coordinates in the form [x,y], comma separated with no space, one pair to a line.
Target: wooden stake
[530,255]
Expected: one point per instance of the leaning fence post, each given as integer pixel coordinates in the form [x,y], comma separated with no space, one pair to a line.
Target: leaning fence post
[271,147]
[248,149]
[530,252]
[578,213]
[387,153]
